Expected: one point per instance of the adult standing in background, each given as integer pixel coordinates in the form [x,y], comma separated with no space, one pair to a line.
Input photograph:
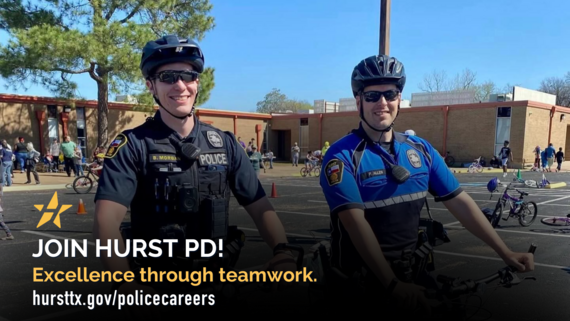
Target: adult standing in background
[32,159]
[6,156]
[295,150]
[21,152]
[68,150]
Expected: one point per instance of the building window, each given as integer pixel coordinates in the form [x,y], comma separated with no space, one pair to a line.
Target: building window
[81,131]
[304,121]
[503,129]
[53,124]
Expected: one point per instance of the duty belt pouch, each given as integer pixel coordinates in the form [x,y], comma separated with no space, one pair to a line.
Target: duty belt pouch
[215,219]
[436,234]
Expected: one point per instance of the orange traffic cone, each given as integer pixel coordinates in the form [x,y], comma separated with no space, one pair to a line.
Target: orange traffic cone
[273,191]
[81,208]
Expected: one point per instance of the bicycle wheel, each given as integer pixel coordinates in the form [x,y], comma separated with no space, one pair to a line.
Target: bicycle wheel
[556,221]
[317,171]
[527,213]
[479,169]
[449,160]
[303,172]
[82,184]
[531,183]
[497,215]
[471,169]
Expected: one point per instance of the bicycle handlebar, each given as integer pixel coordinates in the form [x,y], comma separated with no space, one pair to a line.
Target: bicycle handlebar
[455,287]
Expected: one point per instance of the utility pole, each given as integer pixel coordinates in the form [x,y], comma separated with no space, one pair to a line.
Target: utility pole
[385,27]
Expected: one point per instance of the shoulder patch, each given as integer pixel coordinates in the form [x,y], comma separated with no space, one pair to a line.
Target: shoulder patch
[414,158]
[333,171]
[115,145]
[214,139]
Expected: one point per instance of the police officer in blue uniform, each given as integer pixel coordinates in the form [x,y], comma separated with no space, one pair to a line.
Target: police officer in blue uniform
[176,173]
[375,181]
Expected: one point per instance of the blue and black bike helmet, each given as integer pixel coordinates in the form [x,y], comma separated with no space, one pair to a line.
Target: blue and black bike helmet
[492,185]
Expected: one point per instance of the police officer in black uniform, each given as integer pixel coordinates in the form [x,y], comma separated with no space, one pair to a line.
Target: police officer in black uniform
[175,172]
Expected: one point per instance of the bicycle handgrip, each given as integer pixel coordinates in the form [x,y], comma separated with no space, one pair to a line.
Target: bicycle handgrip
[532,248]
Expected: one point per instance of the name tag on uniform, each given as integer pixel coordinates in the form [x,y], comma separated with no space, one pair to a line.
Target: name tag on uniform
[213,159]
[377,172]
[162,158]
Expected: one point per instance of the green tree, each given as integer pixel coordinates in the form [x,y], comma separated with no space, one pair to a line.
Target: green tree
[52,40]
[275,101]
[272,102]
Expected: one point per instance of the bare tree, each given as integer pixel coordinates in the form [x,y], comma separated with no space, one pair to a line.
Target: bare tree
[559,87]
[464,80]
[485,90]
[436,81]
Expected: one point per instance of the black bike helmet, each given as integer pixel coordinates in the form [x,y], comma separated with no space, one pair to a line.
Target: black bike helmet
[377,70]
[169,49]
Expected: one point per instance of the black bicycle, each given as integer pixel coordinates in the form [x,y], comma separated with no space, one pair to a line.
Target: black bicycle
[452,298]
[83,184]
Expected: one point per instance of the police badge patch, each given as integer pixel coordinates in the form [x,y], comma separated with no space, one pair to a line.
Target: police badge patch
[414,158]
[214,139]
[115,145]
[333,171]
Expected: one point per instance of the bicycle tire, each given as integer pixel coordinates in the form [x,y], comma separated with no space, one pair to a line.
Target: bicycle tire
[317,171]
[87,182]
[471,169]
[479,169]
[534,213]
[556,221]
[497,213]
[531,183]
[304,172]
[449,161]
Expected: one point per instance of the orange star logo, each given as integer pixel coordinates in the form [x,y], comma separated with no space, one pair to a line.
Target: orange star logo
[46,217]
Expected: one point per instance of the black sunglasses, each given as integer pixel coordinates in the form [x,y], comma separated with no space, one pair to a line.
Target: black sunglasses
[374,96]
[172,76]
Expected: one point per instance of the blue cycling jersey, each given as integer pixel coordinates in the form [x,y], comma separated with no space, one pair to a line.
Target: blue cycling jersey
[357,175]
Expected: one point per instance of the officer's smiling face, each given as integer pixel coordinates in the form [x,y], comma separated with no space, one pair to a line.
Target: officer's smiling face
[179,97]
[382,113]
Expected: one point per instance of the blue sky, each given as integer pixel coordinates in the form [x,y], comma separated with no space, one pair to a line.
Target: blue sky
[308,49]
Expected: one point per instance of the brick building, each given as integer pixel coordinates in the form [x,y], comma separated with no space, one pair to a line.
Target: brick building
[467,131]
[40,119]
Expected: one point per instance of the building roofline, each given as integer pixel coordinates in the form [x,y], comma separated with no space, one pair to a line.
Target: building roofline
[13,98]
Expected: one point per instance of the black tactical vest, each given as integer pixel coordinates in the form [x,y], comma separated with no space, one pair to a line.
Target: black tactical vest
[178,198]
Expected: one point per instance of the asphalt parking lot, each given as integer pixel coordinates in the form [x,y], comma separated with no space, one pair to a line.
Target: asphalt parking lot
[303,210]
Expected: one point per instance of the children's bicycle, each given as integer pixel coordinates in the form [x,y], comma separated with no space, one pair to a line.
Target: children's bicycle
[476,166]
[556,221]
[84,184]
[526,212]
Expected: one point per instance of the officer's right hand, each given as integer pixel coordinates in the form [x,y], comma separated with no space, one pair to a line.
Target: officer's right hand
[138,312]
[409,296]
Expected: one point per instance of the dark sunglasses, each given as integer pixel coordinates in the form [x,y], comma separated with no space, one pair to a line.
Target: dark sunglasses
[172,76]
[374,96]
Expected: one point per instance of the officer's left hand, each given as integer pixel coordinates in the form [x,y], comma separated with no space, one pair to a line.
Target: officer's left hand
[281,262]
[524,262]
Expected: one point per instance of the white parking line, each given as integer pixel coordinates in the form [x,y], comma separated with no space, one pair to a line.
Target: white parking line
[443,252]
[54,236]
[532,233]
[554,200]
